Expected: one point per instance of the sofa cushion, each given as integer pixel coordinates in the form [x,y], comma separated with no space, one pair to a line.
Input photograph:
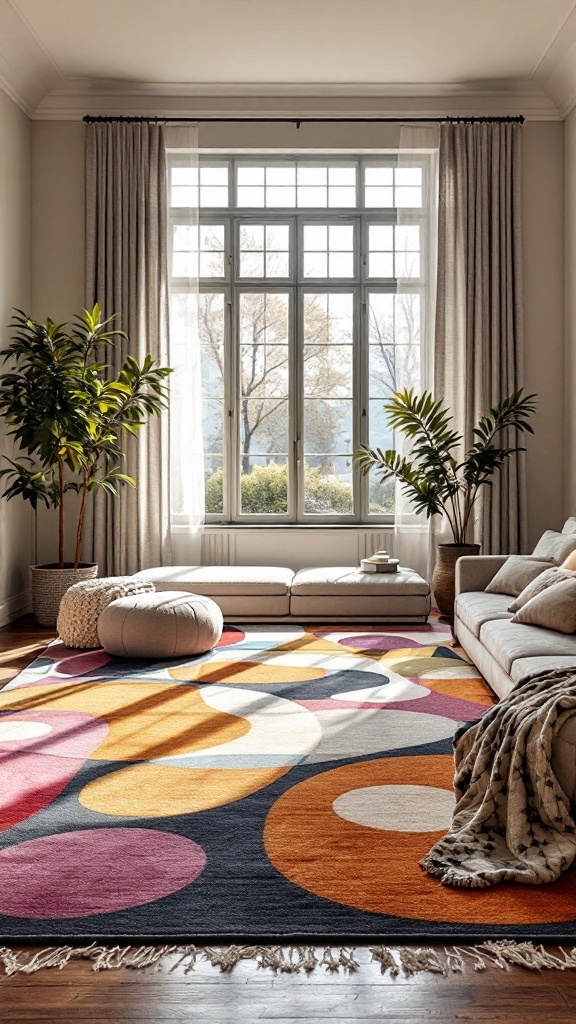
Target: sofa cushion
[554,608]
[529,666]
[476,608]
[546,579]
[222,580]
[347,581]
[555,546]
[507,641]
[569,525]
[569,564]
[516,573]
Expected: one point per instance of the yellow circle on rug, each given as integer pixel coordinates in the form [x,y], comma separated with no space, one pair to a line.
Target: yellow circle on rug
[317,836]
[160,791]
[146,720]
[252,673]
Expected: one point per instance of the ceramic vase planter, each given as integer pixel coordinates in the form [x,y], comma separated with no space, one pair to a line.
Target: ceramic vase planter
[444,575]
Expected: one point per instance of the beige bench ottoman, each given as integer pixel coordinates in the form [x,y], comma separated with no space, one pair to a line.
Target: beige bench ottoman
[252,593]
[344,592]
[245,593]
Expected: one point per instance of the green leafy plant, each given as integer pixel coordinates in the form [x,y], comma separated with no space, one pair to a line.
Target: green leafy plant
[69,415]
[432,476]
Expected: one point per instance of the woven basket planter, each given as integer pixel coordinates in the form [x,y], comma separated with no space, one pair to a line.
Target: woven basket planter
[444,576]
[49,584]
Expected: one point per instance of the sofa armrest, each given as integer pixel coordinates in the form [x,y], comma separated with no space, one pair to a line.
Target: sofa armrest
[475,572]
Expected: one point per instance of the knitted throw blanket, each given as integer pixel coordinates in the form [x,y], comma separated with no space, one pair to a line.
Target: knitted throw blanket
[512,821]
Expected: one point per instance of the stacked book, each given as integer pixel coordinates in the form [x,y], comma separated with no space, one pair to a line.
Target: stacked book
[379,562]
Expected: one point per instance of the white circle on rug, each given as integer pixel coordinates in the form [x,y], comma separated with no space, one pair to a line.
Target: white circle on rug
[461,670]
[22,730]
[397,808]
[355,732]
[397,689]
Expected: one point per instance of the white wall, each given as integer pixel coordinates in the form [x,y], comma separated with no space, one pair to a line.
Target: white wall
[570,311]
[16,533]
[58,262]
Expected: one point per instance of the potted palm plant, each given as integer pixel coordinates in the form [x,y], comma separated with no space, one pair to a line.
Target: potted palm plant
[436,479]
[69,416]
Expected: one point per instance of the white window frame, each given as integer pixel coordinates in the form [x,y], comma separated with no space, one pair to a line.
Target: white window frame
[231,285]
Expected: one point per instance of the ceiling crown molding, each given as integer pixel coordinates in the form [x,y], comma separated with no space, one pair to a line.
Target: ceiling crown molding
[27,73]
[557,70]
[73,98]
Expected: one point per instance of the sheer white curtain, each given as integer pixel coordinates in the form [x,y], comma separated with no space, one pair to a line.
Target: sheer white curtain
[414,308]
[186,433]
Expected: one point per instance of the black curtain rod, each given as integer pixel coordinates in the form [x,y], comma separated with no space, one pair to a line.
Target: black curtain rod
[136,119]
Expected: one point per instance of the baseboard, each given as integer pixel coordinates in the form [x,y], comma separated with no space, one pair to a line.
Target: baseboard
[15,606]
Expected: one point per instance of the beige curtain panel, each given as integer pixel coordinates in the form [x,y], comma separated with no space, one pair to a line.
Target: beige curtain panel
[479,338]
[126,272]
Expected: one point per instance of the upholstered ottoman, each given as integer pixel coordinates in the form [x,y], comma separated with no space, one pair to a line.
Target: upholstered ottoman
[257,593]
[344,592]
[82,604]
[243,592]
[160,625]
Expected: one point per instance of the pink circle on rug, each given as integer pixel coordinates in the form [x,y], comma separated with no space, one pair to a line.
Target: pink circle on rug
[95,871]
[68,733]
[231,635]
[378,643]
[75,663]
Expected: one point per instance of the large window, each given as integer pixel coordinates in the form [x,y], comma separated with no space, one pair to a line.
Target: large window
[312,309]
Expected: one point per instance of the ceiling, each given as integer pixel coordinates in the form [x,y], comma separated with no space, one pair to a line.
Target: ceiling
[53,51]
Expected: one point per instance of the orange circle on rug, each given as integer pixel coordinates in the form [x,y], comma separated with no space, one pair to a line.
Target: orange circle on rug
[377,869]
[253,673]
[474,690]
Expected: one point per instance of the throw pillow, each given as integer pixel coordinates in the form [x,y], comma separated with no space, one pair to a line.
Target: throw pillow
[546,579]
[555,546]
[554,608]
[569,525]
[516,573]
[570,562]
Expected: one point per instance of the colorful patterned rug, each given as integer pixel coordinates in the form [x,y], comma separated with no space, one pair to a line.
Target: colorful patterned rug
[286,784]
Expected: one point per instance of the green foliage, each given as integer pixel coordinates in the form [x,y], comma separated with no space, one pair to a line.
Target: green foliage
[325,495]
[431,475]
[265,489]
[66,412]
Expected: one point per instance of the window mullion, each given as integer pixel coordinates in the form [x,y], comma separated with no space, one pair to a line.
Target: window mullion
[233,404]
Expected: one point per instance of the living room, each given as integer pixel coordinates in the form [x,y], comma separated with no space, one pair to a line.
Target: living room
[308,215]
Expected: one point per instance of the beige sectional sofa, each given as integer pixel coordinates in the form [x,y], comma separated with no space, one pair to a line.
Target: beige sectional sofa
[502,650]
[252,593]
[505,651]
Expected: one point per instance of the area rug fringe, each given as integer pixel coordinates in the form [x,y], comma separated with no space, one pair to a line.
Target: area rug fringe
[500,955]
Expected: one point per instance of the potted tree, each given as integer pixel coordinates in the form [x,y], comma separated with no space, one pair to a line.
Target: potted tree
[69,416]
[433,476]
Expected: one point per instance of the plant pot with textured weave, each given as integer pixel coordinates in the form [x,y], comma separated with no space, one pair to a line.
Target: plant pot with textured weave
[50,583]
[444,575]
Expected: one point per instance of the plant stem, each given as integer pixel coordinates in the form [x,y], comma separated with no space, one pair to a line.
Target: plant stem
[61,514]
[80,526]
[453,524]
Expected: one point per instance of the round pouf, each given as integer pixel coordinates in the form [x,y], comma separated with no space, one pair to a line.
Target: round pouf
[170,624]
[83,603]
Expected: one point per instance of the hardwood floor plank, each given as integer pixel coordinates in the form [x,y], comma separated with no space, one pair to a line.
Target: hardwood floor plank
[362,1002]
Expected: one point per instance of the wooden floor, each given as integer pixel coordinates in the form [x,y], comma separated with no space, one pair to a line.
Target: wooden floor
[248,994]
